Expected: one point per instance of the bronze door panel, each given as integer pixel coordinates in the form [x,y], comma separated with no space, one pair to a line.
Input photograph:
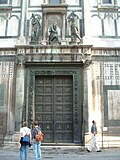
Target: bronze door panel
[53,107]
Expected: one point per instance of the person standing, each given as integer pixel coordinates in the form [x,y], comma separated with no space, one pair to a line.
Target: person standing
[24,145]
[93,139]
[36,143]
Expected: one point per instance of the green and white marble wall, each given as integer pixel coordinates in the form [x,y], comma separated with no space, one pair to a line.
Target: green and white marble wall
[104,23]
[105,92]
[7,87]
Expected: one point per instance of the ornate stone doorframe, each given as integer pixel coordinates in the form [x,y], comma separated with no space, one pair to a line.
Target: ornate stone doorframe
[76,72]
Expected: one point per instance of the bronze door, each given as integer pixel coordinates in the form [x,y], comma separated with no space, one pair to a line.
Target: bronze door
[54,107]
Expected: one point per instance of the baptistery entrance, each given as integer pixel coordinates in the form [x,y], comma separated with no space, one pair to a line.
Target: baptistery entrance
[54,107]
[55,101]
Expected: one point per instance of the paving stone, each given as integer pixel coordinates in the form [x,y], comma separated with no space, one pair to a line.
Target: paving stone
[62,153]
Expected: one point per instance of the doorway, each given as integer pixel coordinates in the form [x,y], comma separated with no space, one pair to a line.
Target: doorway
[54,107]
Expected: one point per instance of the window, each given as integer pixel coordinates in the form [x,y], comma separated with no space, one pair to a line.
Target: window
[55,2]
[3,1]
[107,1]
[105,4]
[5,7]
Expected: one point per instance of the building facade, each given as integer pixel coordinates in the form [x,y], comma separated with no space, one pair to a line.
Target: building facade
[60,65]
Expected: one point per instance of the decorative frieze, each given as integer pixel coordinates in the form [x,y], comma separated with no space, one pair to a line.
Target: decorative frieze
[63,53]
[105,52]
[8,51]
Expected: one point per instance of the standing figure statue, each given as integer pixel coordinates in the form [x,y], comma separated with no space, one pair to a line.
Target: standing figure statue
[36,28]
[74,29]
[53,36]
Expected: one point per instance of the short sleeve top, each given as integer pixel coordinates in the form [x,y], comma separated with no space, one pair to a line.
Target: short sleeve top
[24,131]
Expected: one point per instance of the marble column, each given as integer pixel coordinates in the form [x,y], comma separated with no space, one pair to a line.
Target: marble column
[20,110]
[44,28]
[21,39]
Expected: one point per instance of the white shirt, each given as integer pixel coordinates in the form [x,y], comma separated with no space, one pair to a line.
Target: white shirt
[24,131]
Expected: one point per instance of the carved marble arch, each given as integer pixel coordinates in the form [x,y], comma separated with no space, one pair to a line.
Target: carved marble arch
[13,22]
[3,20]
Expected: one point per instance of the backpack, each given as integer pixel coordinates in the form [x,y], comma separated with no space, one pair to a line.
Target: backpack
[26,138]
[39,136]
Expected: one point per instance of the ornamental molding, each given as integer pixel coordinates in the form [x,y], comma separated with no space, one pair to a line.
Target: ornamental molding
[33,72]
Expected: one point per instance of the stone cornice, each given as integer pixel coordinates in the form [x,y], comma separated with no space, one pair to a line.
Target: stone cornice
[54,46]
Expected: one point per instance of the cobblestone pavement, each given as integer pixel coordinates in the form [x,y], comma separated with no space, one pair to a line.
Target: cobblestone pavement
[62,153]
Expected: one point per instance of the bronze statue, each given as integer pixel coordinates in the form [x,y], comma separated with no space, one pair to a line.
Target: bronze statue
[36,28]
[74,29]
[53,37]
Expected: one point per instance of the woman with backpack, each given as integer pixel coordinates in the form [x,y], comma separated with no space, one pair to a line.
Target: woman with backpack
[37,137]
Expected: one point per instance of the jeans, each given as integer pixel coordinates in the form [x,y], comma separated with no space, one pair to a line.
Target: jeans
[24,149]
[37,150]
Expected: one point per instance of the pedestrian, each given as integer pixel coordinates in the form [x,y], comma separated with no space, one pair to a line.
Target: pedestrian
[93,139]
[36,141]
[25,141]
